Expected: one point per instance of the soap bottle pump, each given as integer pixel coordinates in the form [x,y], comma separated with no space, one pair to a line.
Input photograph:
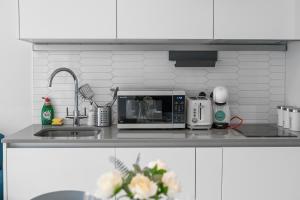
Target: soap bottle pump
[47,113]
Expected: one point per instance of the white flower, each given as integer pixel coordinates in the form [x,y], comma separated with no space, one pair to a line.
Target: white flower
[160,164]
[169,179]
[108,183]
[142,187]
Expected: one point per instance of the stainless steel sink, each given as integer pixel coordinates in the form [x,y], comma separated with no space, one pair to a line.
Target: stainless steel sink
[70,132]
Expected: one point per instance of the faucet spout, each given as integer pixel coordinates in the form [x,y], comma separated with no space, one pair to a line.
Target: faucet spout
[76,116]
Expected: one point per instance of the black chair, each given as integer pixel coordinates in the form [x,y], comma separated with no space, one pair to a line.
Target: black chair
[66,195]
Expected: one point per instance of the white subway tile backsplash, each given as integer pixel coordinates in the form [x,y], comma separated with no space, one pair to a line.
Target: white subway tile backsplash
[64,57]
[254,56]
[255,79]
[254,65]
[264,94]
[227,54]
[277,61]
[277,54]
[279,69]
[96,61]
[277,76]
[95,54]
[128,72]
[95,69]
[127,57]
[253,86]
[96,76]
[249,72]
[158,62]
[224,76]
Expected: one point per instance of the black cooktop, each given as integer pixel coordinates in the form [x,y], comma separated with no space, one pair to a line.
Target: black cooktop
[264,130]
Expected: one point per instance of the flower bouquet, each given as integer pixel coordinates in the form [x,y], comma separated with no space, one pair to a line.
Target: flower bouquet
[154,181]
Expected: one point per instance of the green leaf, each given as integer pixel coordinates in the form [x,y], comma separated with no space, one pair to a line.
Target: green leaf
[117,190]
[164,190]
[128,192]
[147,173]
[128,178]
[157,178]
[137,168]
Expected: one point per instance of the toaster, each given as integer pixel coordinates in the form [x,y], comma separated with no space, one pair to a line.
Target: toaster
[199,112]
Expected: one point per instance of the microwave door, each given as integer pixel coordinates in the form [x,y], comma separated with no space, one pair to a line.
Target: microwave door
[154,110]
[145,109]
[131,109]
[141,118]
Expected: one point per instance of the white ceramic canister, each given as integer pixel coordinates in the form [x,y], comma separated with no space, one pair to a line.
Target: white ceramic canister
[280,115]
[295,119]
[286,116]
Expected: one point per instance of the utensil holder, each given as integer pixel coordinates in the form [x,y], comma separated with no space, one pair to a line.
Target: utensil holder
[103,116]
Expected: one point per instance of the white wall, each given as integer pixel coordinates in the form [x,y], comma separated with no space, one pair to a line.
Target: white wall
[293,74]
[15,72]
[255,79]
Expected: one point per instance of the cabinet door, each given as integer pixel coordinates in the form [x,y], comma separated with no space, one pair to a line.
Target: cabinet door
[167,19]
[67,19]
[254,19]
[261,173]
[32,172]
[208,173]
[179,160]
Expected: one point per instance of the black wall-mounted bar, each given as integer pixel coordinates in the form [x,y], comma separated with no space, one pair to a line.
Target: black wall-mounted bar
[194,58]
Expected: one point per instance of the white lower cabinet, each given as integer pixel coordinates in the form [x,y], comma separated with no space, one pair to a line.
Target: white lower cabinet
[270,173]
[180,160]
[208,173]
[35,171]
[237,173]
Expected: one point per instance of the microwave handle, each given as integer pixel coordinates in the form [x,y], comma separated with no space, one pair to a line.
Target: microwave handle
[200,109]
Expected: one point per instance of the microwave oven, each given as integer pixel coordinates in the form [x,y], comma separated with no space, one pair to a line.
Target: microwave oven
[147,109]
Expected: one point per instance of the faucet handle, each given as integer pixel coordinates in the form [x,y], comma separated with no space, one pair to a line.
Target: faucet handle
[83,116]
[69,116]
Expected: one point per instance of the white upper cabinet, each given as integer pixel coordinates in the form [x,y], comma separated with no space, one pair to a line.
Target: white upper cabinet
[254,19]
[165,19]
[67,19]
[261,173]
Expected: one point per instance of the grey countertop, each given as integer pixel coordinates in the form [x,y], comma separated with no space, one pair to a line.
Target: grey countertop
[113,137]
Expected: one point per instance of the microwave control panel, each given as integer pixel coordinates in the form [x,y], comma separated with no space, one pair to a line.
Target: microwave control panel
[178,109]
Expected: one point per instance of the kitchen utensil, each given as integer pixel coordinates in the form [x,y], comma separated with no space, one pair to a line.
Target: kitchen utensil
[221,112]
[115,90]
[87,93]
[295,119]
[103,117]
[286,116]
[280,115]
[199,112]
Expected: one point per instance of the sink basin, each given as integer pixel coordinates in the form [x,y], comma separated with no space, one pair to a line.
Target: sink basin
[70,132]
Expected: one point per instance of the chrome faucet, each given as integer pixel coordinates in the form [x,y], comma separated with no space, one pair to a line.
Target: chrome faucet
[76,114]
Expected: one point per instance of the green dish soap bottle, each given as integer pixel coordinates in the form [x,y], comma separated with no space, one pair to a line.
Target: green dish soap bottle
[47,112]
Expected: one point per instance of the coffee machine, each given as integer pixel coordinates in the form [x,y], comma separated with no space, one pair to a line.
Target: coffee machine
[221,112]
